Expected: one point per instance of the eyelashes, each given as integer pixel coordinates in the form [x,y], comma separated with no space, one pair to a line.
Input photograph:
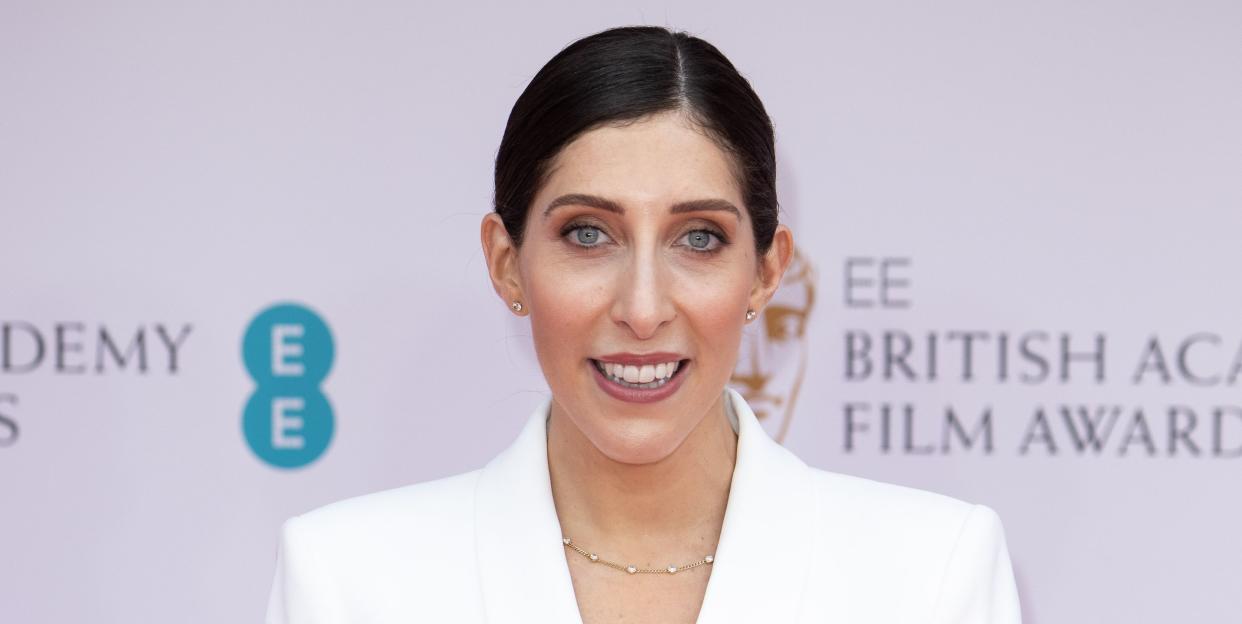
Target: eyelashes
[569,233]
[574,227]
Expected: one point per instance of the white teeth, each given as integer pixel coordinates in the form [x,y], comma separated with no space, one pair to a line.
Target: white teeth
[646,374]
[631,374]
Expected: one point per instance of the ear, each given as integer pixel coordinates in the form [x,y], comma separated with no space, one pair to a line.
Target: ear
[501,256]
[772,267]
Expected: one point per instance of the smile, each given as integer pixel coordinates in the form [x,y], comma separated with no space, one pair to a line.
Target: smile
[639,384]
[647,376]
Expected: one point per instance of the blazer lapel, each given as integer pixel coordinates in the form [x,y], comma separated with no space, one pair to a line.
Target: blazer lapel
[763,558]
[761,562]
[521,560]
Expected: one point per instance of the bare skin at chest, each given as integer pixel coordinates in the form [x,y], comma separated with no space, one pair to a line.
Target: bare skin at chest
[606,596]
[642,514]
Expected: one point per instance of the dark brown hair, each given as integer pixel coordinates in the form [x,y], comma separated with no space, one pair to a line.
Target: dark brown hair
[622,75]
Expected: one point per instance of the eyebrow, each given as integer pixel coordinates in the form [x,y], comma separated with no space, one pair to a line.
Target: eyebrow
[595,201]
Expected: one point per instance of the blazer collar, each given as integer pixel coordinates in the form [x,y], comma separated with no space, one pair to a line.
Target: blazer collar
[758,574]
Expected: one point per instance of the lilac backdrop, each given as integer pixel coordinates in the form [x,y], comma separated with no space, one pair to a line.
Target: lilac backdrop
[1062,174]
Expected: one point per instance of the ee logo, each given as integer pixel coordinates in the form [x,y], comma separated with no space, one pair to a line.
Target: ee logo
[288,351]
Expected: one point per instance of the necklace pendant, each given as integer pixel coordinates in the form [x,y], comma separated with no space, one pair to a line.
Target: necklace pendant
[672,569]
[631,569]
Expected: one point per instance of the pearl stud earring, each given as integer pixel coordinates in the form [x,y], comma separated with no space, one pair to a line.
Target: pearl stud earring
[750,315]
[516,305]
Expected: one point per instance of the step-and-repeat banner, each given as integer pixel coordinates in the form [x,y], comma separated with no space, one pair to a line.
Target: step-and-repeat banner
[240,278]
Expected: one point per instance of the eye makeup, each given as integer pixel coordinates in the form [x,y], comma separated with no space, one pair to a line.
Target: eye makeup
[577,224]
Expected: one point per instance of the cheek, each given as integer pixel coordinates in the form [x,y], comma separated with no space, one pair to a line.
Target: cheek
[714,306]
[567,298]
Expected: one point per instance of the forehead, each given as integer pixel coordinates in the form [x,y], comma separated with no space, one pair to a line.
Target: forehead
[656,160]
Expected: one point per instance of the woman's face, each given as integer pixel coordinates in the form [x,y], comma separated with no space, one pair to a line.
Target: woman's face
[638,252]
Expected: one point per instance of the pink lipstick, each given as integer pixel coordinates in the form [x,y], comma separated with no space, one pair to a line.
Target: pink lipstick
[663,374]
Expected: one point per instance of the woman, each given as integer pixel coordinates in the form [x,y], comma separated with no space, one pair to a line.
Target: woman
[636,227]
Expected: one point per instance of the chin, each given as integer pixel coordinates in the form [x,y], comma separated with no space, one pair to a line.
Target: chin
[638,443]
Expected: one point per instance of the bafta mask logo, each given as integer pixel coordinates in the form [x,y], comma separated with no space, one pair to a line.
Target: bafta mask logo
[772,359]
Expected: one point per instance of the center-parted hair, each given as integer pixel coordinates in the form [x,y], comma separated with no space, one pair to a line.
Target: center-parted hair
[622,75]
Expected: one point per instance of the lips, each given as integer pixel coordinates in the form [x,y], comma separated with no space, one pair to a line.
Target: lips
[638,376]
[651,391]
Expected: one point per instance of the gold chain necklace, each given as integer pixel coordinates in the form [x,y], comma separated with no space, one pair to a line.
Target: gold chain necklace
[633,569]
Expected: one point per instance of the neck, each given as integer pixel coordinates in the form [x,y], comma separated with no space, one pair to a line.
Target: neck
[674,506]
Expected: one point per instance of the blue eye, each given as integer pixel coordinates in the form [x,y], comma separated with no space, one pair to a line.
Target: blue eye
[698,240]
[586,235]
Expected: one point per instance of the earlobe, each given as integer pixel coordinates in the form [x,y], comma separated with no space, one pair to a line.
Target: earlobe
[500,255]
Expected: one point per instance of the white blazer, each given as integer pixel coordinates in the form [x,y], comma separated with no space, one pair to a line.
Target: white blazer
[798,544]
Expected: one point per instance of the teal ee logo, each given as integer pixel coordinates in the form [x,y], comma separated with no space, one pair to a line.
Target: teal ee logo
[288,351]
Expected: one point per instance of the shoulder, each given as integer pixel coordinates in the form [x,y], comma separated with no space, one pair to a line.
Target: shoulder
[441,501]
[425,517]
[944,555]
[918,520]
[377,546]
[866,500]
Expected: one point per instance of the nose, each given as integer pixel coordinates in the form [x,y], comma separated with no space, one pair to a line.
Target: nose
[643,302]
